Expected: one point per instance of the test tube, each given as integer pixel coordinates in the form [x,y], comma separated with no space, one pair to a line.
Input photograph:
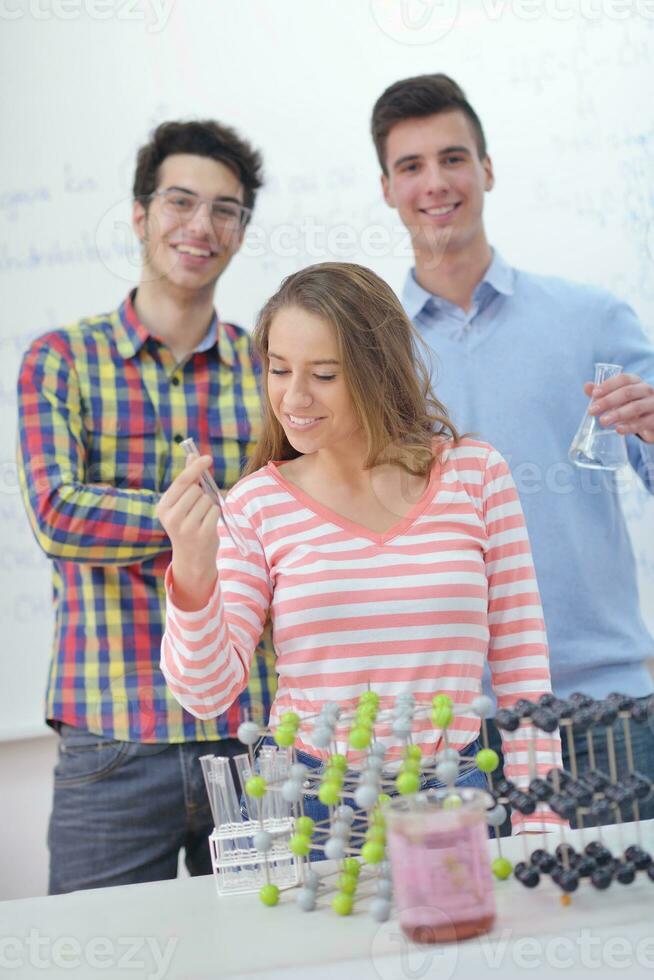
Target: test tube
[209,782]
[220,788]
[210,487]
[267,770]
[244,769]
[283,761]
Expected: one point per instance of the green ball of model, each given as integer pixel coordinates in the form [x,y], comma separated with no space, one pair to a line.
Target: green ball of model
[348,883]
[304,826]
[367,711]
[376,832]
[329,792]
[269,894]
[413,752]
[284,736]
[342,903]
[487,760]
[290,720]
[256,787]
[300,845]
[407,782]
[332,775]
[372,852]
[441,716]
[377,819]
[501,868]
[359,737]
[337,762]
[352,867]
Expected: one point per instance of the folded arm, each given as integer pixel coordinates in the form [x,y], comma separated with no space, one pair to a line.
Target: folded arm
[72,519]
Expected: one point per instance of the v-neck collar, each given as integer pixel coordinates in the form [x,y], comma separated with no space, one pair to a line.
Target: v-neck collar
[360,530]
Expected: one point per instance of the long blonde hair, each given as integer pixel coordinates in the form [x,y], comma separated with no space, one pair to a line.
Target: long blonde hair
[378,345]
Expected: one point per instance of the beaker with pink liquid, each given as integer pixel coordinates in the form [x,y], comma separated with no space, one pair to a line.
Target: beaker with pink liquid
[440,863]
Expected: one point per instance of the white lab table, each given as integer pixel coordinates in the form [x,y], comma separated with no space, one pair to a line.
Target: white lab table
[181,930]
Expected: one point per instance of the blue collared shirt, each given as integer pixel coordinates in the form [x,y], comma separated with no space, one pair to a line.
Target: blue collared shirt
[511,370]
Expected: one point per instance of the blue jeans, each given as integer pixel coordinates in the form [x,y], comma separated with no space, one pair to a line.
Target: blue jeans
[123,810]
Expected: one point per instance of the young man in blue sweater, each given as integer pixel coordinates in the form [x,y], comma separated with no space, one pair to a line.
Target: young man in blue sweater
[514,359]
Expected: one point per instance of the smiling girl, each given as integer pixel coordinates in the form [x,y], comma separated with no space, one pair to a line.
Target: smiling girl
[389,552]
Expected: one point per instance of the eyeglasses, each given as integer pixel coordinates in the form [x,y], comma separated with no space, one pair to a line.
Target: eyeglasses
[225,215]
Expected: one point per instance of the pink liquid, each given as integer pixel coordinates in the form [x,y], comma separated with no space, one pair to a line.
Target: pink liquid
[447,934]
[441,877]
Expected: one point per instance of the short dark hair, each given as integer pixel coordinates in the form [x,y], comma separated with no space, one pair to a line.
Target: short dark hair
[414,98]
[204,138]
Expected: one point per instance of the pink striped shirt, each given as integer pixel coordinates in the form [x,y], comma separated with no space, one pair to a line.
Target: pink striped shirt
[419,608]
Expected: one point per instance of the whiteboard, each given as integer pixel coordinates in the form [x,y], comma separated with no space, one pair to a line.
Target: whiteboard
[563,100]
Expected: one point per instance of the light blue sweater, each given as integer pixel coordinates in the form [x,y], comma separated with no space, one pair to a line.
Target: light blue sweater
[511,371]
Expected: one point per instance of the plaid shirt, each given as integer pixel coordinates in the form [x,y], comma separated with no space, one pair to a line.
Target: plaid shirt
[102,409]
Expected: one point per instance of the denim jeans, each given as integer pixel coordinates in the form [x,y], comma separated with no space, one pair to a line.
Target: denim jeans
[642,741]
[122,811]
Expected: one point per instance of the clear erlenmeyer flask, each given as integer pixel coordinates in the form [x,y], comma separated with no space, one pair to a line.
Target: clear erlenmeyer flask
[597,447]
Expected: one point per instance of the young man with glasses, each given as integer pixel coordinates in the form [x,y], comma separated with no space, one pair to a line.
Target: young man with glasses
[514,356]
[103,408]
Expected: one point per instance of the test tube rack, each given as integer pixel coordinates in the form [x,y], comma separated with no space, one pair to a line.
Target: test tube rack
[239,867]
[250,842]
